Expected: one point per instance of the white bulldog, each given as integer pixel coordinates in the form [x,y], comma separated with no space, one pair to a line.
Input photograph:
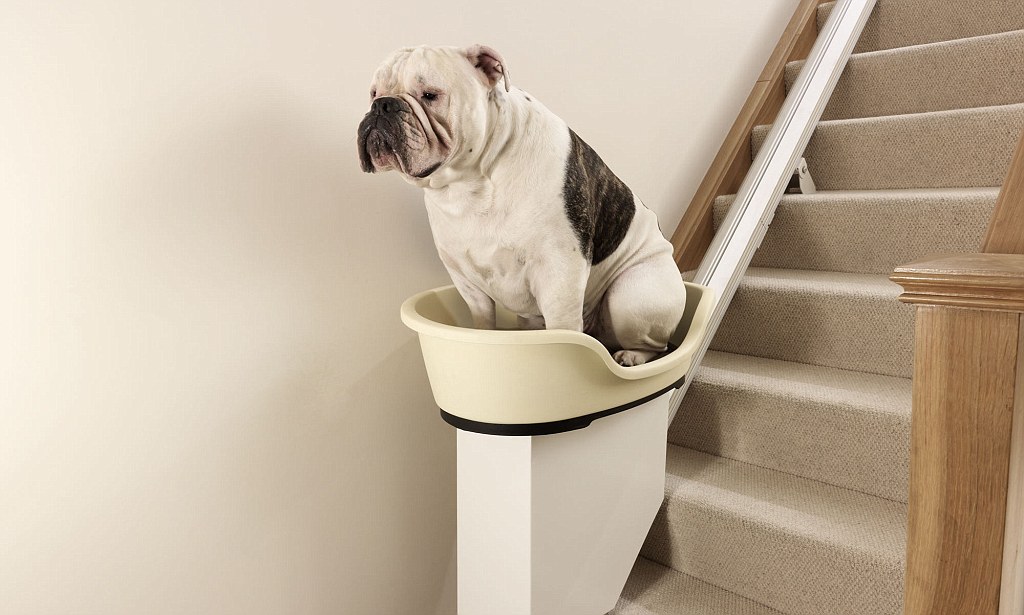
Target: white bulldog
[523,212]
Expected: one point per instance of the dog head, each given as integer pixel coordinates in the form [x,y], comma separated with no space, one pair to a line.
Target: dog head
[429,109]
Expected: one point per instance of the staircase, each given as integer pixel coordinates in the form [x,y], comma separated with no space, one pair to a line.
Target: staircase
[786,486]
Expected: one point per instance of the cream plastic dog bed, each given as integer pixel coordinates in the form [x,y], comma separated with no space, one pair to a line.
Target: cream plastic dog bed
[509,382]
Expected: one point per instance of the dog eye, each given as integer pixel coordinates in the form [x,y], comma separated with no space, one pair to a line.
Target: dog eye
[373,94]
[429,96]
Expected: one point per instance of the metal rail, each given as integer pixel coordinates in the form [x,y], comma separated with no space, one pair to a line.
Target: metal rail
[744,226]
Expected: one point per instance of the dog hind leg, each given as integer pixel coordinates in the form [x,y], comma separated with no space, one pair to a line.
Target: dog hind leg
[642,309]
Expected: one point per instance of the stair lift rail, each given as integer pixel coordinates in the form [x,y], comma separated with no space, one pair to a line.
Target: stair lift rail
[744,226]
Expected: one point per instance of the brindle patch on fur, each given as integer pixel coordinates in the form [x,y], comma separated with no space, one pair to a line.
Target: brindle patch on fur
[600,207]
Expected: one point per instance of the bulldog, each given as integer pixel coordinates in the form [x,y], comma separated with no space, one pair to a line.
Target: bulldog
[522,211]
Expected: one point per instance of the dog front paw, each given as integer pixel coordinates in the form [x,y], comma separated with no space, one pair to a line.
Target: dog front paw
[630,358]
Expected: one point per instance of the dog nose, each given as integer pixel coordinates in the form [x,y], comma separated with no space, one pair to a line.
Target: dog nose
[385,105]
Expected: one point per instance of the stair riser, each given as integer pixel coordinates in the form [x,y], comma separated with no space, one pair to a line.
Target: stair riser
[950,149]
[656,590]
[861,333]
[871,233]
[978,72]
[900,23]
[794,575]
[849,447]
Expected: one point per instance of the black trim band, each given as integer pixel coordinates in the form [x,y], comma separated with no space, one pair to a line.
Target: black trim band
[552,427]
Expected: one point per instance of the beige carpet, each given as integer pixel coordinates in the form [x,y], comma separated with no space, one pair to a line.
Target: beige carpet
[981,71]
[850,321]
[787,475]
[800,543]
[654,589]
[839,427]
[940,149]
[902,23]
[860,231]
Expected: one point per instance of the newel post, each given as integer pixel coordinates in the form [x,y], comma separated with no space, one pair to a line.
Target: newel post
[964,543]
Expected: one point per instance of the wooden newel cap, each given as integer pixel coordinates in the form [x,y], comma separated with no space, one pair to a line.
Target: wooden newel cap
[978,281]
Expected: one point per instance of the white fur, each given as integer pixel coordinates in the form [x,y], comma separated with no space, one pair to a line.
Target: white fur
[500,225]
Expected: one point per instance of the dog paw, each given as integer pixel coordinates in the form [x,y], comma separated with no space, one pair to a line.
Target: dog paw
[629,358]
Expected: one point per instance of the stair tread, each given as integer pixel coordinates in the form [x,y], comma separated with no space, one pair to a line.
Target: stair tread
[866,231]
[900,23]
[844,320]
[889,193]
[794,544]
[923,116]
[802,508]
[978,71]
[845,428]
[821,282]
[936,149]
[868,392]
[654,589]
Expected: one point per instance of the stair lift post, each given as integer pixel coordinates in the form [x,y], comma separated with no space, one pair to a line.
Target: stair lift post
[561,454]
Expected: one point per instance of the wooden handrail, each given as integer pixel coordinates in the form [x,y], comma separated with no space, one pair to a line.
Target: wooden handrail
[1006,227]
[695,231]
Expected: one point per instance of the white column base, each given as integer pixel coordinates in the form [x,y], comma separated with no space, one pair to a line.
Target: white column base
[551,525]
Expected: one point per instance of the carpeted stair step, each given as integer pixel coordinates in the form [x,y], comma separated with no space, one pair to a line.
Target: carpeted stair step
[870,231]
[790,543]
[941,149]
[981,71]
[845,320]
[654,589]
[901,23]
[848,429]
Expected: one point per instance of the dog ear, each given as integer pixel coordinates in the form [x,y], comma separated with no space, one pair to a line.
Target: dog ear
[490,64]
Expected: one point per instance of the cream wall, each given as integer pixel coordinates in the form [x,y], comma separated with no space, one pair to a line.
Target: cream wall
[209,404]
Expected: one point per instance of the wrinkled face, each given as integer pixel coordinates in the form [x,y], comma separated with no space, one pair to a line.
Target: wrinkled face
[425,103]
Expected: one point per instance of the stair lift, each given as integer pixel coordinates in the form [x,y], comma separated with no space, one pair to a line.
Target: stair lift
[560,450]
